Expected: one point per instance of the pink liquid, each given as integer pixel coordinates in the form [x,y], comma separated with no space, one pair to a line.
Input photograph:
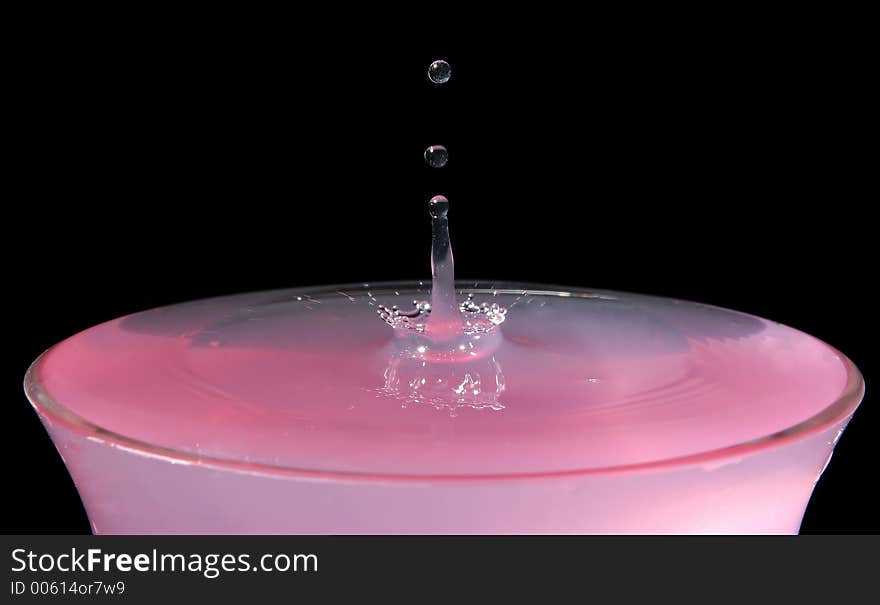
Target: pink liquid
[294,411]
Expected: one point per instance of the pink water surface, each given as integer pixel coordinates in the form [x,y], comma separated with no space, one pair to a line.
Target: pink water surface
[589,382]
[314,381]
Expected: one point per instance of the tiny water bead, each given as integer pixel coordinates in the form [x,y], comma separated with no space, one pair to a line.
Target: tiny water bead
[436,156]
[439,72]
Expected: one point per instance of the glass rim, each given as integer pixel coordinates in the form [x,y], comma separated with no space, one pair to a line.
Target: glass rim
[839,410]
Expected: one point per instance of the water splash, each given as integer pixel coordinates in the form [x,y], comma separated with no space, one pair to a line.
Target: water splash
[414,320]
[481,318]
[443,318]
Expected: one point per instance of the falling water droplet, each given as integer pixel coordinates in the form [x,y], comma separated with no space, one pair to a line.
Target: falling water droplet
[439,72]
[436,156]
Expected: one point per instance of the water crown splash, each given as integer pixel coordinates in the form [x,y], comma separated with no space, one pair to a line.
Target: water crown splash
[444,356]
[447,324]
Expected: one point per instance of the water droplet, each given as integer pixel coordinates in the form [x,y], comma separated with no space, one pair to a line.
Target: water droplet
[436,156]
[438,206]
[439,72]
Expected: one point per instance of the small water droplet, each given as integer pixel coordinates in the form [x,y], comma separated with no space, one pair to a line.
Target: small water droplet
[438,206]
[439,72]
[436,156]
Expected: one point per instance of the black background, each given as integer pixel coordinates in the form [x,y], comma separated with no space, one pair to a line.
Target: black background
[721,167]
